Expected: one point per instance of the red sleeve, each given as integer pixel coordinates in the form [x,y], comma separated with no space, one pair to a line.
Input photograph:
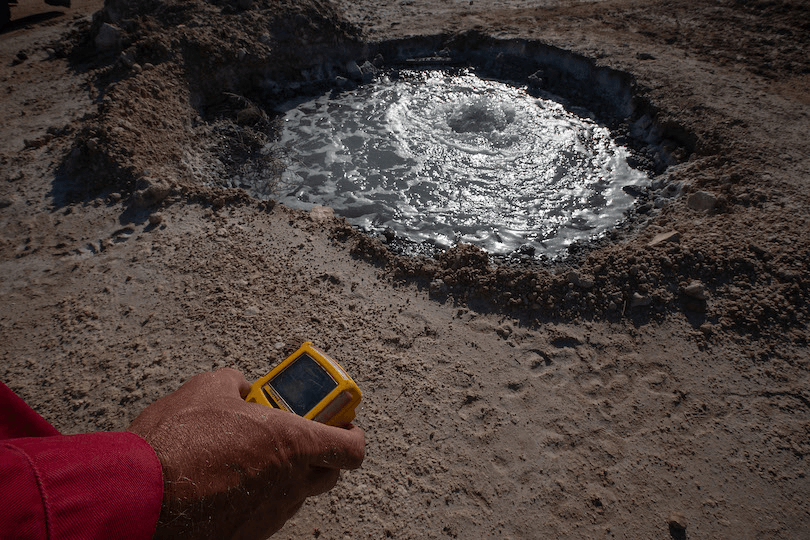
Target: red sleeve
[17,419]
[96,485]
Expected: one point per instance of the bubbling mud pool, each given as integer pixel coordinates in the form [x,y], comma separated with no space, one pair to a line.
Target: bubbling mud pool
[445,157]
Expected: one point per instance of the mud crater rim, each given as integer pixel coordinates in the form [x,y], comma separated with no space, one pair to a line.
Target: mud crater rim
[574,81]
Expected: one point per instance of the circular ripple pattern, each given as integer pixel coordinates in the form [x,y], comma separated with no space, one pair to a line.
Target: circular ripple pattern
[450,158]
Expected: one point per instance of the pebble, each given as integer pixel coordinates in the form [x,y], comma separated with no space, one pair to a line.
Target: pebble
[156,218]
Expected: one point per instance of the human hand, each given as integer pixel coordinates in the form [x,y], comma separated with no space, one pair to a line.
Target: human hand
[233,469]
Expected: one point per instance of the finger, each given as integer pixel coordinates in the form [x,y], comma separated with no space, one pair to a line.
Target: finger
[322,480]
[230,379]
[341,448]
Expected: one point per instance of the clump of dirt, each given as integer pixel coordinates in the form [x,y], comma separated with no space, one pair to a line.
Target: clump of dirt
[175,89]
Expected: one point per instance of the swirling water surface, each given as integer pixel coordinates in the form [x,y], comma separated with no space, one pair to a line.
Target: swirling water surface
[450,158]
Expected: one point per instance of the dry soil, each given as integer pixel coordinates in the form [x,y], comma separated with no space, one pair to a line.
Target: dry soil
[655,385]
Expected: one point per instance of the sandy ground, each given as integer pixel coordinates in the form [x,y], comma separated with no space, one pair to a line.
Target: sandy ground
[660,391]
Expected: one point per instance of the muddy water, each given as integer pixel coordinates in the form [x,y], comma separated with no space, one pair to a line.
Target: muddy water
[446,158]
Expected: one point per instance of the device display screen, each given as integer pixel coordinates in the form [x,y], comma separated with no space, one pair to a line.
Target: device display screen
[303,384]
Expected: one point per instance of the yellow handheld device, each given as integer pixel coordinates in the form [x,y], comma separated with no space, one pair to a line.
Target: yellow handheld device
[309,384]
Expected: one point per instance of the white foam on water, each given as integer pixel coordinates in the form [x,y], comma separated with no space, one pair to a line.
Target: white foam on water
[452,157]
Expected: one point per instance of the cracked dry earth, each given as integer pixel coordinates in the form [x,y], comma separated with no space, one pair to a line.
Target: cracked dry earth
[654,386]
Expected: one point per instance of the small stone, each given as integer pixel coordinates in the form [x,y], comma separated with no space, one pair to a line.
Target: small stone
[702,201]
[156,218]
[696,290]
[640,300]
[665,238]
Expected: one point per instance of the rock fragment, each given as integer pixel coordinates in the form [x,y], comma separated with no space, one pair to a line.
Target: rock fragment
[702,201]
[664,238]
